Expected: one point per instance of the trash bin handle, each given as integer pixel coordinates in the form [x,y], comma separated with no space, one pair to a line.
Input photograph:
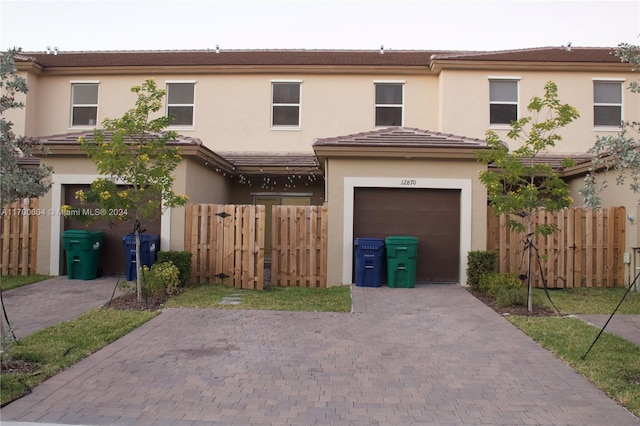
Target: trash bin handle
[401,248]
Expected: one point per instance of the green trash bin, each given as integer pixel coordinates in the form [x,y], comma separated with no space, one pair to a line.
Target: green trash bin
[83,253]
[402,252]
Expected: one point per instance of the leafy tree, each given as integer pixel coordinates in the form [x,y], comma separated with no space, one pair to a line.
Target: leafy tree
[521,185]
[617,154]
[16,181]
[137,163]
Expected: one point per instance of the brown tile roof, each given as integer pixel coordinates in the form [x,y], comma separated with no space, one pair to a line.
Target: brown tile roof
[232,58]
[402,137]
[310,57]
[268,162]
[234,163]
[542,54]
[554,160]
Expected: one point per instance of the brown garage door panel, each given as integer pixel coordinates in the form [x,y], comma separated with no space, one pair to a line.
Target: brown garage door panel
[432,215]
[112,256]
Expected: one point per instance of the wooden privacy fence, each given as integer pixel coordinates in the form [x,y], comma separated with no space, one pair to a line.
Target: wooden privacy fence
[299,246]
[585,251]
[19,237]
[227,244]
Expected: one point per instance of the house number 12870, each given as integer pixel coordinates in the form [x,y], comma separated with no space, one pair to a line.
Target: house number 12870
[408,182]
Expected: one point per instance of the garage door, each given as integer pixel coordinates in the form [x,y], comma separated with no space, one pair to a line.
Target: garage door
[112,256]
[432,215]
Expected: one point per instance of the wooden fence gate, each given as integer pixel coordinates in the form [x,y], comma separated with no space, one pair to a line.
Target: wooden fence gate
[585,251]
[227,244]
[19,237]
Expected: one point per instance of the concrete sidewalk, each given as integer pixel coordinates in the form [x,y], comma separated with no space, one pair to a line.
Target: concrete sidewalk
[625,326]
[429,355]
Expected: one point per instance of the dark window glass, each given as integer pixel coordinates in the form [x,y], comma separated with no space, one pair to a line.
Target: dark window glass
[286,115]
[286,93]
[181,115]
[389,94]
[388,116]
[503,113]
[607,115]
[84,116]
[180,93]
[84,104]
[180,103]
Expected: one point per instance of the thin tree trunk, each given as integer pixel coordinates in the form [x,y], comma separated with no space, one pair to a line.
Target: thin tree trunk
[138,267]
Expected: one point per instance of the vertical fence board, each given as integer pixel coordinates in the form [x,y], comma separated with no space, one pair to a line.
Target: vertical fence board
[585,251]
[19,237]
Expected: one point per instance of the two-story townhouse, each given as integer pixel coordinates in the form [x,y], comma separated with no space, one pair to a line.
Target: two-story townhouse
[387,138]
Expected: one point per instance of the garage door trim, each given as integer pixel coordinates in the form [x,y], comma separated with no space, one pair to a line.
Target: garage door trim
[350,183]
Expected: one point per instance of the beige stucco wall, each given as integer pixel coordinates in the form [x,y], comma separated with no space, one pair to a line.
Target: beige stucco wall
[465,103]
[233,111]
[615,196]
[390,173]
[202,184]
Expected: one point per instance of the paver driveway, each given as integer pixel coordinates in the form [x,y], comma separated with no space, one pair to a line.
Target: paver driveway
[429,355]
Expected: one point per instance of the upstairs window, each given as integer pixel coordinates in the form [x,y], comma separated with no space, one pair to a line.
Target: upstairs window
[503,101]
[389,104]
[285,104]
[607,103]
[181,103]
[84,104]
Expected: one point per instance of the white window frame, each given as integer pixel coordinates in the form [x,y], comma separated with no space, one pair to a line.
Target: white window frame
[621,104]
[193,105]
[74,105]
[376,105]
[273,126]
[516,103]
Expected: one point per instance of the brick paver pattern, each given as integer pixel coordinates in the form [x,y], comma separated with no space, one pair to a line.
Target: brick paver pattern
[429,355]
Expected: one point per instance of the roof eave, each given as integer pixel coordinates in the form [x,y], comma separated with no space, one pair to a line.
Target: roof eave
[437,65]
[389,151]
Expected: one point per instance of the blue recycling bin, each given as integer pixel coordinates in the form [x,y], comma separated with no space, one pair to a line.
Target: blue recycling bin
[369,261]
[149,245]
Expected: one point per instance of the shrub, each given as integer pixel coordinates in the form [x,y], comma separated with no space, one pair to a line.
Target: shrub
[491,283]
[509,296]
[479,264]
[182,260]
[161,279]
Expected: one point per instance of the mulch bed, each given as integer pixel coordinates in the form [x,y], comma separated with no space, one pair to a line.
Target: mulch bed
[512,310]
[130,302]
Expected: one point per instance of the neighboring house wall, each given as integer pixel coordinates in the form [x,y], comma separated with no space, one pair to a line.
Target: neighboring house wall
[466,94]
[344,175]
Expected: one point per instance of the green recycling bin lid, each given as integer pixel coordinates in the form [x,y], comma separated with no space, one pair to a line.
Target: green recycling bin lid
[401,239]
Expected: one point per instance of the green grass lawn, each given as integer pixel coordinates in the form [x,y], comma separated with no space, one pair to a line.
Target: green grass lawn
[613,364]
[333,299]
[57,347]
[591,300]
[8,282]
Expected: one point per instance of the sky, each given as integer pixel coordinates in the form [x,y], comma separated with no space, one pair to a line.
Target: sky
[85,25]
